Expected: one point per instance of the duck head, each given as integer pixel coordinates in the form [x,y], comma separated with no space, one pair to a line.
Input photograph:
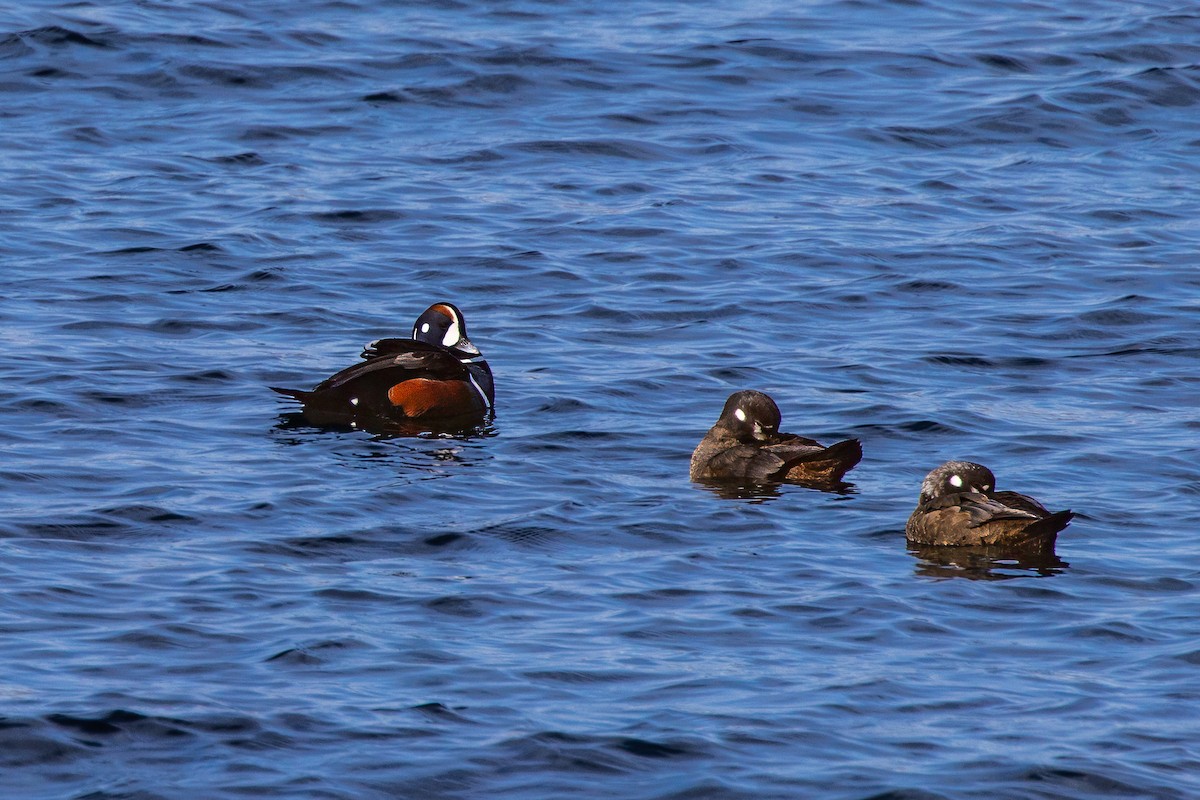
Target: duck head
[443,324]
[957,476]
[750,416]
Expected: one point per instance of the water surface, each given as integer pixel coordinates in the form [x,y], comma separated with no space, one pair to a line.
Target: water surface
[949,228]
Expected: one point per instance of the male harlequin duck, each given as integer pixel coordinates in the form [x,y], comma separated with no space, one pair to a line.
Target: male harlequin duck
[746,445]
[959,506]
[437,374]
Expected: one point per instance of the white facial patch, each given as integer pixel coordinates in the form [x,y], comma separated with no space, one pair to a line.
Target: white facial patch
[424,327]
[956,481]
[353,401]
[741,415]
[452,336]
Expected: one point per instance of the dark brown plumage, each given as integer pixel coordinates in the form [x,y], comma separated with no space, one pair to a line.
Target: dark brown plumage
[959,506]
[436,375]
[746,446]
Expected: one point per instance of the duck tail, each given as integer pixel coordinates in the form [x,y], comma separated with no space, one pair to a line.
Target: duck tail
[295,394]
[1049,526]
[828,465]
[838,459]
[847,452]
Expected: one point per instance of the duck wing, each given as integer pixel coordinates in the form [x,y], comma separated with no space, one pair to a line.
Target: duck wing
[794,452]
[432,363]
[980,509]
[1045,524]
[745,462]
[1020,501]
[970,518]
[393,346]
[965,518]
[785,439]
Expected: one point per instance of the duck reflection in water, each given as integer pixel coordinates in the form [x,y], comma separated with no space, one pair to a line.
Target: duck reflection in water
[765,492]
[467,427]
[415,454]
[985,562]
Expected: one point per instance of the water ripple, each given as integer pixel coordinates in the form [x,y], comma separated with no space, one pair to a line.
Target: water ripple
[950,229]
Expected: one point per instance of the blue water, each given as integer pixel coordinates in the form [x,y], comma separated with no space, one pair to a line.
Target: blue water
[950,228]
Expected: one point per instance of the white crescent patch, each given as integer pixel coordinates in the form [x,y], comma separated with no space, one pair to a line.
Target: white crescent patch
[452,335]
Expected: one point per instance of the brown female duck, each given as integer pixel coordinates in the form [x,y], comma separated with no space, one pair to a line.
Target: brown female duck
[959,505]
[746,446]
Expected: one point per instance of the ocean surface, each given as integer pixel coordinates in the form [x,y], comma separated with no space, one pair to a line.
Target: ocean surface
[949,228]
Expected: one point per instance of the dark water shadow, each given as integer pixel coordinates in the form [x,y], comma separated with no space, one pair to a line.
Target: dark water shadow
[765,492]
[380,428]
[986,563]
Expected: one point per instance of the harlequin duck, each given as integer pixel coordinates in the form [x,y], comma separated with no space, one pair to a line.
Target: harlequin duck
[746,445]
[959,506]
[436,375]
